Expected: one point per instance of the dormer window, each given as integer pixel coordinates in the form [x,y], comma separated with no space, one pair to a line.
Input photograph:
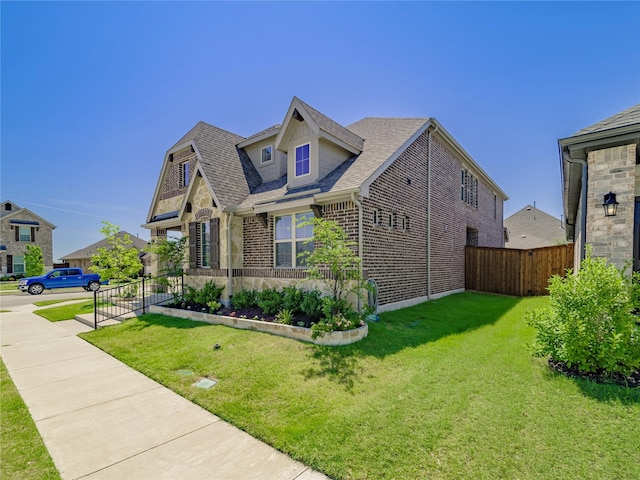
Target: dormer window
[302,160]
[184,174]
[265,156]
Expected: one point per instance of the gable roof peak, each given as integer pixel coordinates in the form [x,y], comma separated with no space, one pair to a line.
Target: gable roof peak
[322,125]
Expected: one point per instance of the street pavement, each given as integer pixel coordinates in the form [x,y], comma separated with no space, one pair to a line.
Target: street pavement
[100,419]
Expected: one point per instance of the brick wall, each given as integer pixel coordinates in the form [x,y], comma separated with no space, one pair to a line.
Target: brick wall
[450,218]
[395,258]
[611,169]
[171,185]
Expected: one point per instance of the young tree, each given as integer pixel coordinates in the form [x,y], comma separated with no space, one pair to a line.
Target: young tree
[33,261]
[119,261]
[171,254]
[333,251]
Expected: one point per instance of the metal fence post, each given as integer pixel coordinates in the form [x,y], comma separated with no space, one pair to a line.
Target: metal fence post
[95,309]
[143,293]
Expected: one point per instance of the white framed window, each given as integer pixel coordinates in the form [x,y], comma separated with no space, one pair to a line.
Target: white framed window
[24,234]
[203,243]
[405,223]
[265,154]
[376,217]
[18,264]
[291,238]
[184,174]
[302,160]
[392,220]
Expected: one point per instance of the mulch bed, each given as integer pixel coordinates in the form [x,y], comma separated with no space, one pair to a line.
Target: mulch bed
[255,313]
[631,381]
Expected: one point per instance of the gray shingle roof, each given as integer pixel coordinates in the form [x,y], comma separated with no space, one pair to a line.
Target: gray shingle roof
[629,116]
[88,252]
[333,128]
[227,167]
[382,138]
[530,227]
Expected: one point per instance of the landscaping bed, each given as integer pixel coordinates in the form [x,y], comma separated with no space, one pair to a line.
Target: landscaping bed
[632,380]
[264,323]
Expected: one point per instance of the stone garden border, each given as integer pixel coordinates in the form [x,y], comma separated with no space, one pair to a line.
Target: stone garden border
[335,338]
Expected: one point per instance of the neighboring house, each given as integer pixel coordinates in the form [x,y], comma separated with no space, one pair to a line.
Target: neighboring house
[596,161]
[82,258]
[402,188]
[20,227]
[533,228]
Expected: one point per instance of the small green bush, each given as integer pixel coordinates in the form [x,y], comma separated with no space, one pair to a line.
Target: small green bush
[312,304]
[270,301]
[244,299]
[208,293]
[284,316]
[292,299]
[589,323]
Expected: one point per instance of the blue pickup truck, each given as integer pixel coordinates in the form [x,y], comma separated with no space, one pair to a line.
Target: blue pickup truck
[60,278]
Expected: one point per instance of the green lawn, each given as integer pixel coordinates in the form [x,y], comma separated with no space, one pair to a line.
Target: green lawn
[65,312]
[46,303]
[22,452]
[9,287]
[443,390]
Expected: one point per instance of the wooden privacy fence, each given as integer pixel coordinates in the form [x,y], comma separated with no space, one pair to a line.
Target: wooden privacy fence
[515,272]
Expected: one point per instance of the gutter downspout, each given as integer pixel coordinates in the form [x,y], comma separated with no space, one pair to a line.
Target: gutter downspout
[583,191]
[429,212]
[360,243]
[229,258]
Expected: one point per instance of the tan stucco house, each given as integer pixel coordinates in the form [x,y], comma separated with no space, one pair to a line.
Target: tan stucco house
[599,160]
[20,227]
[403,189]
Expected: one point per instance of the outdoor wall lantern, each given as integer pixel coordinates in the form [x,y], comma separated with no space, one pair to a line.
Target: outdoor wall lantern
[610,205]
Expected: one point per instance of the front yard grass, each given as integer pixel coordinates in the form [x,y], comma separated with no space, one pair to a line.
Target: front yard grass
[65,312]
[22,452]
[443,390]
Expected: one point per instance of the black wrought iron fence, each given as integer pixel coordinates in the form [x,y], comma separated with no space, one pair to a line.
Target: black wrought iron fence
[129,298]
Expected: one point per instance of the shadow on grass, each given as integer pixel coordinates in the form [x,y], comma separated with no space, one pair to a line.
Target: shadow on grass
[338,364]
[433,320]
[408,328]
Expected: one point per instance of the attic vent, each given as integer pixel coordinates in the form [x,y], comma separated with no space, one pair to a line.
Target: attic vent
[7,207]
[297,116]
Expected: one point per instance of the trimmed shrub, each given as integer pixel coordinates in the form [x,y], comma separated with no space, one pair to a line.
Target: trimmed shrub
[244,299]
[589,323]
[292,299]
[312,304]
[270,301]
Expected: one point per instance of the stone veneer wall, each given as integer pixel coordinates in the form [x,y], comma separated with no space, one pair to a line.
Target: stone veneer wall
[43,238]
[611,169]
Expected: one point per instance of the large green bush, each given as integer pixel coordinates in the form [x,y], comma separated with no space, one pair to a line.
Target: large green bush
[589,323]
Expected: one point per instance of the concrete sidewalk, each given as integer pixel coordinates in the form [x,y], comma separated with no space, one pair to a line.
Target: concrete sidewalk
[101,419]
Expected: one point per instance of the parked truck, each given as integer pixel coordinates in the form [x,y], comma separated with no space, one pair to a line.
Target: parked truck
[60,278]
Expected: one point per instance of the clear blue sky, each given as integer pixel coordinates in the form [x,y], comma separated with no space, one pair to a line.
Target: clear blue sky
[93,93]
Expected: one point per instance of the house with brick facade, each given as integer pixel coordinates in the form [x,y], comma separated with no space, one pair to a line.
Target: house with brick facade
[600,165]
[20,227]
[403,189]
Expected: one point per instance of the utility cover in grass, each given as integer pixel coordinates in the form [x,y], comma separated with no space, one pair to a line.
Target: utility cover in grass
[184,373]
[205,383]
